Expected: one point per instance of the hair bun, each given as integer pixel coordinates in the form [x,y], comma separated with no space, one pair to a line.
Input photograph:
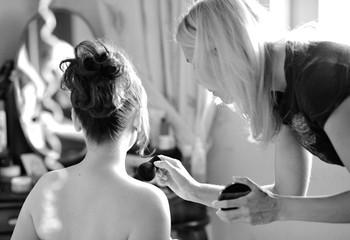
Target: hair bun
[112,69]
[91,65]
[95,78]
[104,66]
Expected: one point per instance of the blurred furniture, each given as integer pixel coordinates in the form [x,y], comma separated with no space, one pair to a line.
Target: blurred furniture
[188,219]
[10,206]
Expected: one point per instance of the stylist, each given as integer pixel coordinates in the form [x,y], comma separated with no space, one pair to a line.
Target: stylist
[292,93]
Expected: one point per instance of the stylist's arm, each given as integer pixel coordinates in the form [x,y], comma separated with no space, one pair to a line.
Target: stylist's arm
[258,207]
[174,175]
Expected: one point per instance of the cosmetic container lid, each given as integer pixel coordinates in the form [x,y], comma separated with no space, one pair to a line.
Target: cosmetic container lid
[21,184]
[10,171]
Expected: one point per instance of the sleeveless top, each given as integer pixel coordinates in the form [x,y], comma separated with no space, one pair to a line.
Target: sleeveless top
[318,80]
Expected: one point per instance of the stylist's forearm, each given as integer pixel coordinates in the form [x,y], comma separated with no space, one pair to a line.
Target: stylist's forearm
[330,209]
[205,193]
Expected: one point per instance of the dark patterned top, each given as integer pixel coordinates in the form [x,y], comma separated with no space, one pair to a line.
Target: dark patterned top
[317,76]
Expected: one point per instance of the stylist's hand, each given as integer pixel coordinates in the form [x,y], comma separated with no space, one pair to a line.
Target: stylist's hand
[258,207]
[173,174]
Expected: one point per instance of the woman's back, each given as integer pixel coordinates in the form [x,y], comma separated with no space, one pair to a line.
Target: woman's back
[77,203]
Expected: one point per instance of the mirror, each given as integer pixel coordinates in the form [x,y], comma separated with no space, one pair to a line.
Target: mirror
[43,108]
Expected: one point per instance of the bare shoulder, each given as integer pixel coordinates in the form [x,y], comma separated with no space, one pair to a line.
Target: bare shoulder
[51,178]
[27,222]
[43,181]
[151,195]
[152,214]
[49,181]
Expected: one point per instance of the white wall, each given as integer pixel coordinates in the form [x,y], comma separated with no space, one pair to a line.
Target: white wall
[303,11]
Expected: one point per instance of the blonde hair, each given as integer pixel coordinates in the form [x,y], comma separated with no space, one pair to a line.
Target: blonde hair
[230,47]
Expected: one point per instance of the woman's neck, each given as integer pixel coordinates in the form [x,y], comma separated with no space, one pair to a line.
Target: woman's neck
[106,157]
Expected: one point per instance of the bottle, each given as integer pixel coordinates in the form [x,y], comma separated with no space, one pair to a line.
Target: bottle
[3,127]
[166,138]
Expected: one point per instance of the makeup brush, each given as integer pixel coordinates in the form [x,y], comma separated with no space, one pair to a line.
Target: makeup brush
[233,191]
[147,171]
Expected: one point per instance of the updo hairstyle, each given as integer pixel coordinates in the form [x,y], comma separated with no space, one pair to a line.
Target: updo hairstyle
[105,91]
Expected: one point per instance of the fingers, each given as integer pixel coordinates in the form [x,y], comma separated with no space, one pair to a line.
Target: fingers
[244,180]
[173,161]
[234,216]
[165,164]
[234,203]
[170,164]
[166,170]
[162,174]
[161,179]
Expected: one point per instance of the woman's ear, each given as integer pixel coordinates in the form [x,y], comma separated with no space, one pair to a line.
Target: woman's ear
[137,122]
[76,121]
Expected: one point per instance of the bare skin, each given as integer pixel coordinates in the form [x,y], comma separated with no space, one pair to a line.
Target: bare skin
[95,199]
